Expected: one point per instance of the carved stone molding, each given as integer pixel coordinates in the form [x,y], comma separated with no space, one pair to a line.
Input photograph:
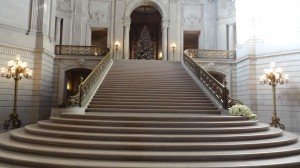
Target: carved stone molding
[191,2]
[127,21]
[165,23]
[120,1]
[155,3]
[227,8]
[12,51]
[99,13]
[63,4]
[279,58]
[216,68]
[68,64]
[191,16]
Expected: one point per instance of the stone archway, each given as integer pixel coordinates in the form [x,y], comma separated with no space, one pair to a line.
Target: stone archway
[132,5]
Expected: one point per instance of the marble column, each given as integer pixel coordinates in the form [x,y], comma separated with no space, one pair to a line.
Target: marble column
[230,37]
[127,22]
[164,27]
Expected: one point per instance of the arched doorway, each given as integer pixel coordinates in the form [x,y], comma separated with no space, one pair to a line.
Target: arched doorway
[145,33]
[72,80]
[164,25]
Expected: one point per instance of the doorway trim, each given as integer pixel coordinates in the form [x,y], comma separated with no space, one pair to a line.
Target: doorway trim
[164,24]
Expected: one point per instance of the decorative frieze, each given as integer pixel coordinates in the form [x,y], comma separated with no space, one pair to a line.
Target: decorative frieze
[6,50]
[191,1]
[63,4]
[191,16]
[99,13]
[226,8]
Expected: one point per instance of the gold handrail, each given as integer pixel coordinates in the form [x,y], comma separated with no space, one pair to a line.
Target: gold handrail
[89,82]
[215,87]
[210,54]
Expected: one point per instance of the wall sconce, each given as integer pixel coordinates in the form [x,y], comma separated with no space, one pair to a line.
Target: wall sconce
[173,48]
[17,69]
[160,56]
[117,46]
[272,76]
[68,86]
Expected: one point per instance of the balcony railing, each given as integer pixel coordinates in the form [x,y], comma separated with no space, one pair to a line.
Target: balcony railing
[81,50]
[210,54]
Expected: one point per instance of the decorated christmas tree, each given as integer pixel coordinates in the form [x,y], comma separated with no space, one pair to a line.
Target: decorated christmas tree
[144,48]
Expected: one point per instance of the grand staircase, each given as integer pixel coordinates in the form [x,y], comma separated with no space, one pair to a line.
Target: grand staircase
[149,114]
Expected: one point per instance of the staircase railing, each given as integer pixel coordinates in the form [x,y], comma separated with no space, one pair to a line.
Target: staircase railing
[215,87]
[210,54]
[86,85]
[81,50]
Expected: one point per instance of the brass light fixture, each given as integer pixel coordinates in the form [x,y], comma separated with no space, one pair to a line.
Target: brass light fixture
[173,48]
[18,70]
[117,46]
[273,76]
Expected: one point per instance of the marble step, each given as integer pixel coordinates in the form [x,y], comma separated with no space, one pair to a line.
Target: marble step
[21,135]
[148,77]
[82,132]
[161,84]
[151,82]
[153,89]
[21,160]
[140,87]
[156,77]
[162,93]
[170,129]
[141,110]
[129,155]
[184,117]
[159,97]
[150,103]
[149,91]
[156,106]
[149,100]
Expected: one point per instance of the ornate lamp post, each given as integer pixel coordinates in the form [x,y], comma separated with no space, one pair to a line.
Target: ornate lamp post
[18,70]
[173,48]
[273,76]
[117,45]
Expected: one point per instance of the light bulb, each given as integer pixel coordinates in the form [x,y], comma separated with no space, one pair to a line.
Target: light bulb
[13,69]
[279,70]
[10,63]
[18,57]
[2,70]
[24,64]
[272,64]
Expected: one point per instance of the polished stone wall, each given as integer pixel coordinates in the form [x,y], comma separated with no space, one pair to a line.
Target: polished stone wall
[27,28]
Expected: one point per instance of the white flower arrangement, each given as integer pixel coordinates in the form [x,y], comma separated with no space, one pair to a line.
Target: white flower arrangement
[242,110]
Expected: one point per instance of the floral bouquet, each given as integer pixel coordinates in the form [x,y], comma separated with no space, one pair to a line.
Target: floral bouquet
[242,110]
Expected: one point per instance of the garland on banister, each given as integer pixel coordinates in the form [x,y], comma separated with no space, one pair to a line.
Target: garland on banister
[86,85]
